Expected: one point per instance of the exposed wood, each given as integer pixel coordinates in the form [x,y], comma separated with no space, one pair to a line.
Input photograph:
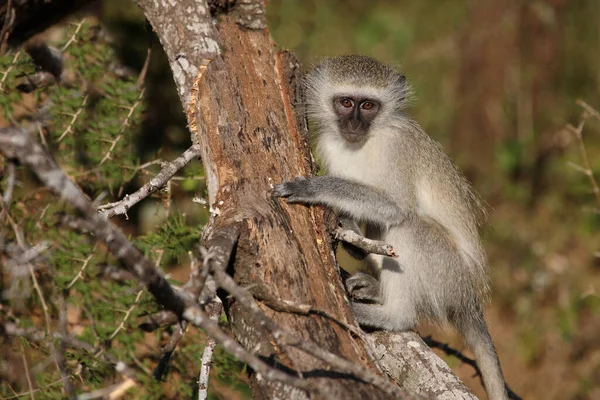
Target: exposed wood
[245,115]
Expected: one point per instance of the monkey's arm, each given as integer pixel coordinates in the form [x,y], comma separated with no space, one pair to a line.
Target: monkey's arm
[354,199]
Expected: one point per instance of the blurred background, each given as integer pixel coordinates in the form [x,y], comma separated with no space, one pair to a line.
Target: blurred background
[502,84]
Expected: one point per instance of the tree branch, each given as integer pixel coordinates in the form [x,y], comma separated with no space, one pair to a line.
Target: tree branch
[369,245]
[169,169]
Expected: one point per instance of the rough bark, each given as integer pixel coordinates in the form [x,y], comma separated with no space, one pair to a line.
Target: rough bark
[245,116]
[407,359]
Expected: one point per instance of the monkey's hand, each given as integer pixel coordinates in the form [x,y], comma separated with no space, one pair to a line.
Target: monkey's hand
[363,288]
[300,190]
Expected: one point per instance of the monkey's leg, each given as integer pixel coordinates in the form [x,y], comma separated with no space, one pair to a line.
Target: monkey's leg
[361,202]
[385,317]
[363,287]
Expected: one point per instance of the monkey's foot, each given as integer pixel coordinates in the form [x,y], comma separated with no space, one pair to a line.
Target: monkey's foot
[363,287]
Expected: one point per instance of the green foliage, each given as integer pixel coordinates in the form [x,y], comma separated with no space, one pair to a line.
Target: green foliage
[93,131]
[174,237]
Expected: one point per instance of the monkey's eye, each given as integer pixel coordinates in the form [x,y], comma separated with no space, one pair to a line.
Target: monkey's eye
[367,105]
[347,103]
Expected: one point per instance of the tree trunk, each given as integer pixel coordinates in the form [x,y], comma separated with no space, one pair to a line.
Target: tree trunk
[245,117]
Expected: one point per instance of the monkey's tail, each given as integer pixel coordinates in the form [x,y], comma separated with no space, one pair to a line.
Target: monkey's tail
[476,335]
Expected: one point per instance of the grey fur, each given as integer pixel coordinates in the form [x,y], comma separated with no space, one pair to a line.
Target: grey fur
[364,288]
[399,182]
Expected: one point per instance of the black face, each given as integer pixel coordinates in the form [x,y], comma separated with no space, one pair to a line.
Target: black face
[355,116]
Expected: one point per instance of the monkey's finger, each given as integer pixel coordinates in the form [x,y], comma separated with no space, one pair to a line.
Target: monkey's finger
[282,190]
[285,189]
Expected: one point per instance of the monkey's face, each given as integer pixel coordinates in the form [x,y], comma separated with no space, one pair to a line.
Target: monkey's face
[354,116]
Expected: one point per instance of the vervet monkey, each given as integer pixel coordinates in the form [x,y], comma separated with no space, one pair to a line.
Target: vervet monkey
[384,171]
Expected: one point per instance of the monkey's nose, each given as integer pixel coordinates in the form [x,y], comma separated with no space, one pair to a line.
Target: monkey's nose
[354,124]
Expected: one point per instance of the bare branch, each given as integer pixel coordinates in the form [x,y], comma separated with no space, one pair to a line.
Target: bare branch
[207,353]
[10,186]
[167,351]
[159,320]
[201,319]
[169,169]
[18,143]
[27,374]
[363,243]
[59,354]
[578,132]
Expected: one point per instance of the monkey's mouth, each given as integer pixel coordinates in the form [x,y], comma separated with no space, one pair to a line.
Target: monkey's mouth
[353,136]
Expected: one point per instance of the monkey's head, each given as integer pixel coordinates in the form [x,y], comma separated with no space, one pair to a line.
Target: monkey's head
[349,95]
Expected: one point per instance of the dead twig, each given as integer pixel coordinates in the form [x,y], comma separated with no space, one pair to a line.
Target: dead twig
[18,143]
[207,353]
[169,169]
[363,243]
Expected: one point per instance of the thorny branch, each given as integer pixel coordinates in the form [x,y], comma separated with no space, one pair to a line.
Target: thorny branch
[588,112]
[169,169]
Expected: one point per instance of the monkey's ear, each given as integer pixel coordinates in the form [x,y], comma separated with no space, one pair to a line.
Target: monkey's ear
[400,80]
[402,90]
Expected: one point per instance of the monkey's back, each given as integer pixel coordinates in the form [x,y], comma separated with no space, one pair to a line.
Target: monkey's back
[446,200]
